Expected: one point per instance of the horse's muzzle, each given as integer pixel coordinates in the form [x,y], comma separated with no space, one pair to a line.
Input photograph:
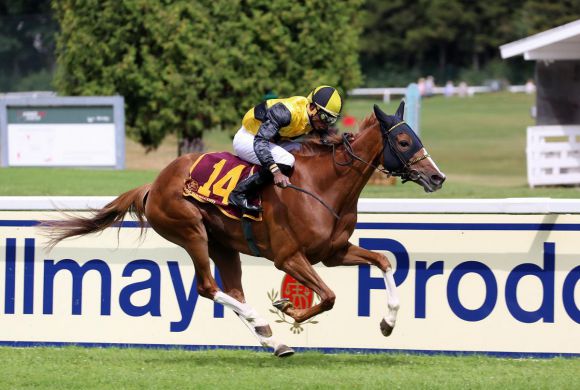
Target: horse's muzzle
[431,183]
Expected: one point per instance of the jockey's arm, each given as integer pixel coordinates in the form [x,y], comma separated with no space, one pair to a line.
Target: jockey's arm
[277,117]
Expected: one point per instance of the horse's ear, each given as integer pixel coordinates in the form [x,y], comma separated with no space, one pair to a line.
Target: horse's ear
[401,110]
[381,116]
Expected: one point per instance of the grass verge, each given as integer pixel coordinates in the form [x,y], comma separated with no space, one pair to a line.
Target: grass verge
[75,367]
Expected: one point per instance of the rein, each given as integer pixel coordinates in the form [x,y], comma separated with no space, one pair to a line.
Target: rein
[353,156]
[406,175]
[315,197]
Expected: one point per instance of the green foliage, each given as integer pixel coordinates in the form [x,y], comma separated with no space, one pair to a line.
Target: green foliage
[538,15]
[452,39]
[40,80]
[517,71]
[26,45]
[186,67]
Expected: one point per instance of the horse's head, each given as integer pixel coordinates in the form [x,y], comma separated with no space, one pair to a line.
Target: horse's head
[404,154]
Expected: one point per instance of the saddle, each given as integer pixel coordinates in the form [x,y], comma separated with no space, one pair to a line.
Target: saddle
[213,176]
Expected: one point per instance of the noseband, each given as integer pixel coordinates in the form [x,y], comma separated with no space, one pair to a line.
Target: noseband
[406,173]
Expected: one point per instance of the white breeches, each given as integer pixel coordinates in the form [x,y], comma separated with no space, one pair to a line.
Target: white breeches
[244,148]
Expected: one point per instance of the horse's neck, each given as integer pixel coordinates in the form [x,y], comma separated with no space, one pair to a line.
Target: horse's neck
[348,181]
[367,147]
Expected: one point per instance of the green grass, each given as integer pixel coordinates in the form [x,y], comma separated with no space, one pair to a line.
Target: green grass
[479,143]
[74,368]
[68,181]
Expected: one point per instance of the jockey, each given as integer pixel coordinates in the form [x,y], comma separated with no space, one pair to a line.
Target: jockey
[266,135]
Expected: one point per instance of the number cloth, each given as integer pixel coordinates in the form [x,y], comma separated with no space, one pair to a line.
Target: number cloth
[213,176]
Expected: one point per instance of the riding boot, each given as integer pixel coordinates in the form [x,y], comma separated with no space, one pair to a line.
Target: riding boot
[245,191]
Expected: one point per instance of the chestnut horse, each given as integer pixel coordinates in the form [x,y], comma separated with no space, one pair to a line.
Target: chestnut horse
[296,230]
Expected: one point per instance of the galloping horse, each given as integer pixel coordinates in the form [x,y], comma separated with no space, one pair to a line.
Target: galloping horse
[296,230]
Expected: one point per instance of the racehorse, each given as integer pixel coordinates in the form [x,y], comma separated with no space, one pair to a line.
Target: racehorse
[296,230]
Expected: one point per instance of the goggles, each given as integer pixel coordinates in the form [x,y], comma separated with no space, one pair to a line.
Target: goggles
[326,117]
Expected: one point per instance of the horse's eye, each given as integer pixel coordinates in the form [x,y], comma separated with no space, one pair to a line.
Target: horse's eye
[404,144]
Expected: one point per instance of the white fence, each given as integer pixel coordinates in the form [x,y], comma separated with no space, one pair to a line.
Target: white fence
[365,205]
[386,93]
[553,154]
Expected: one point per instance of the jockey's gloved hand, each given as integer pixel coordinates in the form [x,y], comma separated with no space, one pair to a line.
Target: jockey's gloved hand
[281,180]
[349,136]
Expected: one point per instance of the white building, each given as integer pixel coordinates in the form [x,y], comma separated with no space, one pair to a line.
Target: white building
[553,146]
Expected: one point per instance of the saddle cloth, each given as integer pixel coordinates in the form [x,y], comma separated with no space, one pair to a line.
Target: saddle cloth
[213,176]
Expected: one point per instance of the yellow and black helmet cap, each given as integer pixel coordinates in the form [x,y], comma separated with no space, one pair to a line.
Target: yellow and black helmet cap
[327,99]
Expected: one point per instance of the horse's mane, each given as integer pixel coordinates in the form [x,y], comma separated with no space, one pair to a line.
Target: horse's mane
[314,144]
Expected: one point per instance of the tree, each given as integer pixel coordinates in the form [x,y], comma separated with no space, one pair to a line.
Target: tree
[186,67]
[537,16]
[383,49]
[490,25]
[440,26]
[403,39]
[26,45]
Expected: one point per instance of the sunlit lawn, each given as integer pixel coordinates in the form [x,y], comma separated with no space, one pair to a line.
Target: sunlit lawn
[78,368]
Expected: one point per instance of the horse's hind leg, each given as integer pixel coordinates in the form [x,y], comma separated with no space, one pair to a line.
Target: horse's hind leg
[230,269]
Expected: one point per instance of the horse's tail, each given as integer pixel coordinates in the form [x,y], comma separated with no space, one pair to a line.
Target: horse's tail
[132,202]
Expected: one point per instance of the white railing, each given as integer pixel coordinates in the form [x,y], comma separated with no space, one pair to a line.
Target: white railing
[553,155]
[386,93]
[365,205]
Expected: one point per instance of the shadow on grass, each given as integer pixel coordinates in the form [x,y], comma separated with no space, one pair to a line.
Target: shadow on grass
[253,359]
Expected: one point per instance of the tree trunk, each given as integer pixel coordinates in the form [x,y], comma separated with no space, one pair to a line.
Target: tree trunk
[474,61]
[442,58]
[189,144]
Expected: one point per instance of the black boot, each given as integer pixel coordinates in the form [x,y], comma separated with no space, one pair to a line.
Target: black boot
[245,191]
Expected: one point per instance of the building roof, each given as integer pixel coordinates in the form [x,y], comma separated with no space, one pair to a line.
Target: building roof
[559,43]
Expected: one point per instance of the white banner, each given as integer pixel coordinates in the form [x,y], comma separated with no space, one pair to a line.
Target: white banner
[62,144]
[498,283]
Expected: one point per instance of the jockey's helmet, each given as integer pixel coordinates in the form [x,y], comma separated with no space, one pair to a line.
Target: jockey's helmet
[328,100]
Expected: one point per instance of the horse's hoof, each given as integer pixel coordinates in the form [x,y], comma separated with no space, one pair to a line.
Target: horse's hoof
[386,329]
[282,304]
[263,331]
[283,351]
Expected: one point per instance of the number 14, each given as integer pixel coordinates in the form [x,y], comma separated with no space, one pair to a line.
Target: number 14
[224,186]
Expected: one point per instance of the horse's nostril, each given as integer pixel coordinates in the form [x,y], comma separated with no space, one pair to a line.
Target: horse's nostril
[438,179]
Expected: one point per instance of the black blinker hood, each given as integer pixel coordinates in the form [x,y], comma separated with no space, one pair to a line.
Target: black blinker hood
[395,160]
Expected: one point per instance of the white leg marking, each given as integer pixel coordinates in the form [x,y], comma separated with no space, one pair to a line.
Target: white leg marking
[392,298]
[244,310]
[249,317]
[264,341]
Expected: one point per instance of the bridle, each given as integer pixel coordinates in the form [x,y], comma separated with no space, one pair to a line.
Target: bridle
[406,173]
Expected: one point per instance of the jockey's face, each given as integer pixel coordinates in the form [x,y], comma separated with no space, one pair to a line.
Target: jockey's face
[317,123]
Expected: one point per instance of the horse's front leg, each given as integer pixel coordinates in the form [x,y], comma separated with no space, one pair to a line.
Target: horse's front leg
[230,268]
[298,266]
[355,255]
